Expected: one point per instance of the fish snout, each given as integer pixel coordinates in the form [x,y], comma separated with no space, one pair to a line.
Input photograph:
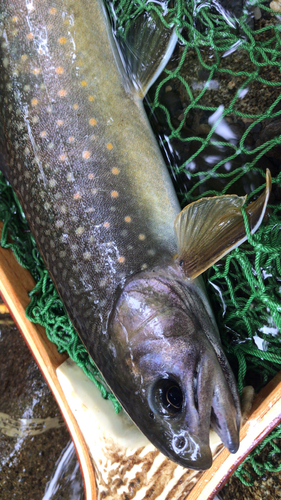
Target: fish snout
[218,402]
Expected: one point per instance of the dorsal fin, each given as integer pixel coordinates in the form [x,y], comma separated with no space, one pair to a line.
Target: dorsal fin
[144,50]
[209,228]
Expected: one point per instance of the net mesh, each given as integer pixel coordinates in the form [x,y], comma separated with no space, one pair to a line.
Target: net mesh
[217,114]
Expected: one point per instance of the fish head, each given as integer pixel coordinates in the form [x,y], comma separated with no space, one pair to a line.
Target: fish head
[175,379]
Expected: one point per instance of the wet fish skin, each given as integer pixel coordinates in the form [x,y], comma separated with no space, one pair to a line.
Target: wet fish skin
[163,332]
[82,158]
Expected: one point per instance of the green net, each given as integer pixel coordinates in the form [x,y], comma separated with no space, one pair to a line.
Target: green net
[216,111]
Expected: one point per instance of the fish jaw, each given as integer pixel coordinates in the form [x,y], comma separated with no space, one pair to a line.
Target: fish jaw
[173,367]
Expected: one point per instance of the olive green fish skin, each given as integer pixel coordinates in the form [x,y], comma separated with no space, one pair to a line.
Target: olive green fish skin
[81,156]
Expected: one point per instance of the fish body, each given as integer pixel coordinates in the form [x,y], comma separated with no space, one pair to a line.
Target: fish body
[78,149]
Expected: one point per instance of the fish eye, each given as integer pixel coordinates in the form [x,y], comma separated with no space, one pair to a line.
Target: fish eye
[167,397]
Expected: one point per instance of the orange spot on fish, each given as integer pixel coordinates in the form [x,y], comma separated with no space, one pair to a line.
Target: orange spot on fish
[92,122]
[77,196]
[128,219]
[60,123]
[106,224]
[71,139]
[75,106]
[115,170]
[24,57]
[109,145]
[59,70]
[53,11]
[91,176]
[63,157]
[114,194]
[15,19]
[84,83]
[43,133]
[62,93]
[86,155]
[30,36]
[91,98]
[34,102]
[121,259]
[141,237]
[36,71]
[62,40]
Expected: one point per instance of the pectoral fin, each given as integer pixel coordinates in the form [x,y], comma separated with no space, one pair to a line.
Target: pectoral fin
[209,228]
[144,50]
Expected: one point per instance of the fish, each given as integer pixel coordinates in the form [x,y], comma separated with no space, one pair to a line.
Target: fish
[77,147]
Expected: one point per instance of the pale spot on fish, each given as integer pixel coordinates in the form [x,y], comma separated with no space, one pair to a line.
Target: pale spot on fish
[50,145]
[15,19]
[63,209]
[151,252]
[52,11]
[115,171]
[52,183]
[86,155]
[121,259]
[59,70]
[109,145]
[60,123]
[91,176]
[34,102]
[113,209]
[43,134]
[62,93]
[124,232]
[87,255]
[35,119]
[141,237]
[102,283]
[36,71]
[59,223]
[63,157]
[75,106]
[114,194]
[92,122]
[62,40]
[143,267]
[30,36]
[128,219]
[94,191]
[77,196]
[70,177]
[47,205]
[92,239]
[80,230]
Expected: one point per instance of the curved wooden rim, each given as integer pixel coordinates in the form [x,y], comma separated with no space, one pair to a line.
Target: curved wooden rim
[15,283]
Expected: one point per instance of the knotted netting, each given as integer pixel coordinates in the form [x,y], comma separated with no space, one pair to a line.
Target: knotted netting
[216,111]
